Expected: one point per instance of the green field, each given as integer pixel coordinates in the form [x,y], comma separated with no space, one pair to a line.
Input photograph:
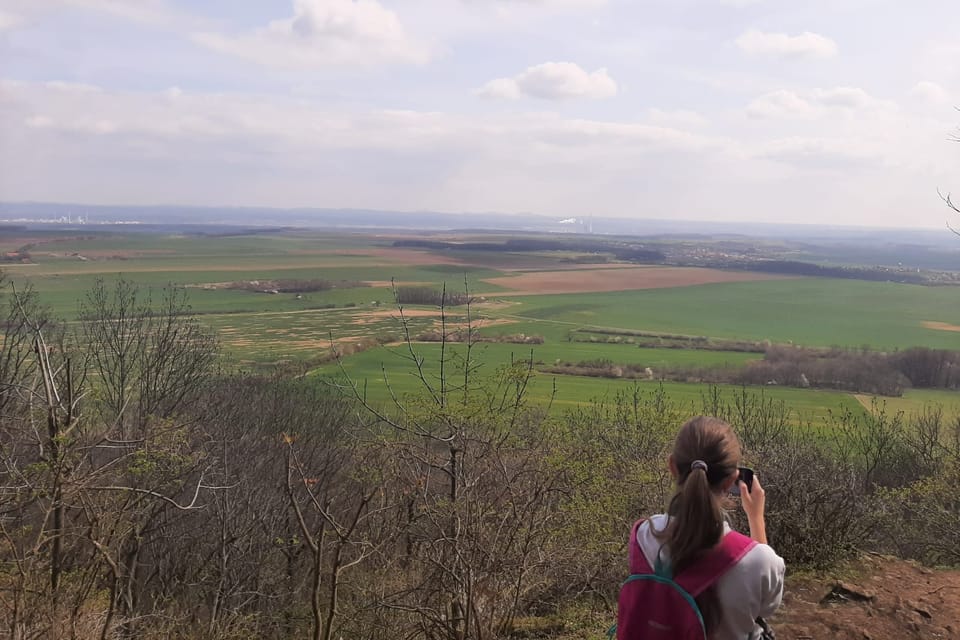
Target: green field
[808,311]
[915,401]
[367,370]
[388,371]
[261,328]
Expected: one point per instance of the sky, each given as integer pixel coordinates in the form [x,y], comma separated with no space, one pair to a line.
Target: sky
[811,111]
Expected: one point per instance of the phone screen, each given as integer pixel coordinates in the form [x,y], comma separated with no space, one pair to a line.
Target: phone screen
[745,475]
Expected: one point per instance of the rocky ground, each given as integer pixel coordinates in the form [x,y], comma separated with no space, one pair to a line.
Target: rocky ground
[875,599]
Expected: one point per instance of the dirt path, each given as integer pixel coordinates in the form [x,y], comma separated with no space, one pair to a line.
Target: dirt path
[939,326]
[865,401]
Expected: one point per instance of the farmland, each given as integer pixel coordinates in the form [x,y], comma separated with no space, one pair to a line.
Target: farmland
[548,306]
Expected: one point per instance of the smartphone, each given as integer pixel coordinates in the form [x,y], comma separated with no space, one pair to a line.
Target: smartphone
[745,475]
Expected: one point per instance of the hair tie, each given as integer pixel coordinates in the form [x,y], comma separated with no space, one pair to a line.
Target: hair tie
[698,464]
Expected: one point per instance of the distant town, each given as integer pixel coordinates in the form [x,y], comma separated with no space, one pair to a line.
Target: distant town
[67,220]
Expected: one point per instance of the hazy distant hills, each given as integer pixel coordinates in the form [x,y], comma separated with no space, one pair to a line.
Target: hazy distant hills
[29,213]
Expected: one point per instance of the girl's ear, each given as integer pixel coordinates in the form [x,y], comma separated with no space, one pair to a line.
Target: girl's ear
[673,467]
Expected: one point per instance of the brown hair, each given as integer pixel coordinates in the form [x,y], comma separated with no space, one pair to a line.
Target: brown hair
[696,510]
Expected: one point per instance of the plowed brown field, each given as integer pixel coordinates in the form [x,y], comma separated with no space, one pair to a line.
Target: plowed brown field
[391,255]
[624,279]
[940,326]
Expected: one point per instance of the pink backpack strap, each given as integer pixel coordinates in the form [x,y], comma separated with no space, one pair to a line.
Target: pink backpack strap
[638,562]
[698,577]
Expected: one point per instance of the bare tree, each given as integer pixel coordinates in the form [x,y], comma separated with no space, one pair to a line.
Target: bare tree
[78,501]
[947,199]
[471,465]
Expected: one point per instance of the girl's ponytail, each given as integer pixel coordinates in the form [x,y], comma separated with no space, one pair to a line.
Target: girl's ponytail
[696,520]
[705,454]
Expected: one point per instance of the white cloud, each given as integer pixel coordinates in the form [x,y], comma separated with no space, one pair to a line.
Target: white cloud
[341,141]
[76,143]
[177,115]
[501,88]
[850,97]
[39,122]
[324,33]
[558,4]
[258,149]
[739,4]
[638,138]
[292,136]
[941,60]
[930,92]
[552,81]
[9,20]
[820,153]
[781,104]
[816,103]
[804,45]
[158,15]
[81,87]
[145,11]
[677,118]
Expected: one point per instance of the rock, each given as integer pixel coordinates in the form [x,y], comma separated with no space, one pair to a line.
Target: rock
[923,612]
[843,592]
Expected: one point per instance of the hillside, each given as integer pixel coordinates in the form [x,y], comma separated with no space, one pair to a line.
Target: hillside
[472,489]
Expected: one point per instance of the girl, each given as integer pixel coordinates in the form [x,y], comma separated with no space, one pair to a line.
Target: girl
[704,465]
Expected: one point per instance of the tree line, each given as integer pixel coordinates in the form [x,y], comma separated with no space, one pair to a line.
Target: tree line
[629,252]
[856,370]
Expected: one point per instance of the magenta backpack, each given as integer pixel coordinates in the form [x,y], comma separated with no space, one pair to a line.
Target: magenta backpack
[655,605]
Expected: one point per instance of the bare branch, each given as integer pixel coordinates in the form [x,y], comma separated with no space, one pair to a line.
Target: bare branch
[167,499]
[954,207]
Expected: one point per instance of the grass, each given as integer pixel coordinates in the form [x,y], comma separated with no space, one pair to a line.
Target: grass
[564,392]
[915,401]
[274,336]
[809,311]
[290,331]
[63,286]
[264,328]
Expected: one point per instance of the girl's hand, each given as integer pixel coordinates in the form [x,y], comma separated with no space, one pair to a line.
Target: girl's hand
[753,503]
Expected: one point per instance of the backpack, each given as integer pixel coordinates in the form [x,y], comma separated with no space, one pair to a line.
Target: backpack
[655,605]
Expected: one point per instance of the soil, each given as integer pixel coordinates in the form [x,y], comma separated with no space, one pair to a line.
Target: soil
[623,279]
[874,598]
[396,255]
[387,284]
[100,254]
[886,598]
[939,326]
